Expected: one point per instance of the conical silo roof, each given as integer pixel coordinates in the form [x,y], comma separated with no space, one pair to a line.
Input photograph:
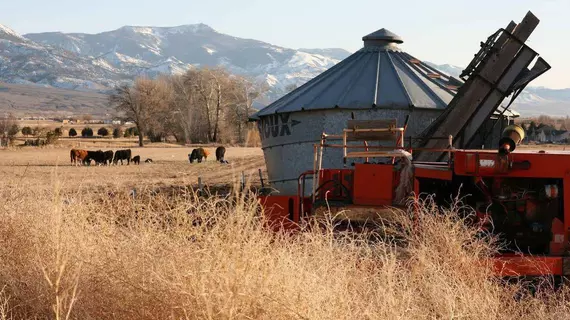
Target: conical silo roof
[380,75]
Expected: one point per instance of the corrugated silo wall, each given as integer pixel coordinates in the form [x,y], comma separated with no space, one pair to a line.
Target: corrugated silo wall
[288,139]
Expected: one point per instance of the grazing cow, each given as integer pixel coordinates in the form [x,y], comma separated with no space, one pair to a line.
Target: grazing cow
[98,156]
[198,155]
[192,156]
[108,157]
[149,160]
[78,156]
[122,155]
[220,153]
[136,159]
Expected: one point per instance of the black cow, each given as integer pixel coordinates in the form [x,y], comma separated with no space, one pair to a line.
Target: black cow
[108,157]
[192,156]
[149,160]
[136,159]
[220,153]
[122,155]
[197,154]
[98,156]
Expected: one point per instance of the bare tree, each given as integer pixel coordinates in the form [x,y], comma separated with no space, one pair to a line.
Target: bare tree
[156,96]
[201,82]
[245,91]
[8,127]
[145,104]
[125,100]
[182,105]
[211,86]
[203,105]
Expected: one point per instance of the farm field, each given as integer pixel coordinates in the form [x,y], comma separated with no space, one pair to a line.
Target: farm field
[75,243]
[170,167]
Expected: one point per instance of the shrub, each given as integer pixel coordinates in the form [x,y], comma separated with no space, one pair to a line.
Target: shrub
[13,130]
[87,132]
[117,133]
[155,136]
[58,132]
[103,132]
[52,136]
[132,131]
[72,132]
[36,131]
[27,131]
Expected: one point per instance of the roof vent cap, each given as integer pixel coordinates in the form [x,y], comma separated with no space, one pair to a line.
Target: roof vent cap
[382,38]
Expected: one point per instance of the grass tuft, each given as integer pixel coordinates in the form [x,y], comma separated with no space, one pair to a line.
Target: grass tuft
[90,254]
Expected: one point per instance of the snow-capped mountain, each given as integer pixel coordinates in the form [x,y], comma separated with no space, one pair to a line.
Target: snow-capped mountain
[101,61]
[447,68]
[9,34]
[131,51]
[24,61]
[335,53]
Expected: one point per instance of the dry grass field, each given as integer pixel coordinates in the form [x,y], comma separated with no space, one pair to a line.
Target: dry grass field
[170,167]
[76,244]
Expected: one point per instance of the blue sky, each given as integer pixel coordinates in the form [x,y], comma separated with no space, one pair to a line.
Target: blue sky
[441,31]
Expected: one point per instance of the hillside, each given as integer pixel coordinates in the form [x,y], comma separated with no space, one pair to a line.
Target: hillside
[34,100]
[99,62]
[131,50]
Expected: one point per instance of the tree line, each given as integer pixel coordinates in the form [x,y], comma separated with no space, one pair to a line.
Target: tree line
[563,123]
[201,106]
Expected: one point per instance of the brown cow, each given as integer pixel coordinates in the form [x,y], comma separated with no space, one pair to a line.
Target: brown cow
[78,156]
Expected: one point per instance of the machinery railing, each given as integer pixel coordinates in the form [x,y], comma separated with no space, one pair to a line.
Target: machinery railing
[370,151]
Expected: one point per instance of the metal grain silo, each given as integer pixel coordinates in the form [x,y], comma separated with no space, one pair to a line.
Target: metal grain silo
[379,81]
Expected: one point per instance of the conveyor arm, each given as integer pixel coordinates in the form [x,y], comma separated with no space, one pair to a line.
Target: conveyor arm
[499,69]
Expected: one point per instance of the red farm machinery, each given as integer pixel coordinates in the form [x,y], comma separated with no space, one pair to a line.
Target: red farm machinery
[526,194]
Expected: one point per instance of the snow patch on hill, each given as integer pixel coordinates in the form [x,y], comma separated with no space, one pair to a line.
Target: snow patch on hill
[102,61]
[209,50]
[7,31]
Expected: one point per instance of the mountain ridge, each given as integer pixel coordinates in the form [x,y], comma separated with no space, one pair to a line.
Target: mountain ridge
[100,61]
[135,50]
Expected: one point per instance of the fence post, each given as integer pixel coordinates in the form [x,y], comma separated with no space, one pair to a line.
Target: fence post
[200,185]
[261,177]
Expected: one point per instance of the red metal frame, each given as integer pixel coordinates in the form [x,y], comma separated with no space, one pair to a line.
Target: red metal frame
[480,163]
[522,265]
[475,163]
[280,211]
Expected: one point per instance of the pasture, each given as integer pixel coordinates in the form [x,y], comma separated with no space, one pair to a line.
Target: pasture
[170,167]
[76,244]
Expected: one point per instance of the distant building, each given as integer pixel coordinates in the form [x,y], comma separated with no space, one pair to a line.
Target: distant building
[545,133]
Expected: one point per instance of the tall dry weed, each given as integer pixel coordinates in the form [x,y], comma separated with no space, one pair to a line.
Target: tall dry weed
[106,254]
